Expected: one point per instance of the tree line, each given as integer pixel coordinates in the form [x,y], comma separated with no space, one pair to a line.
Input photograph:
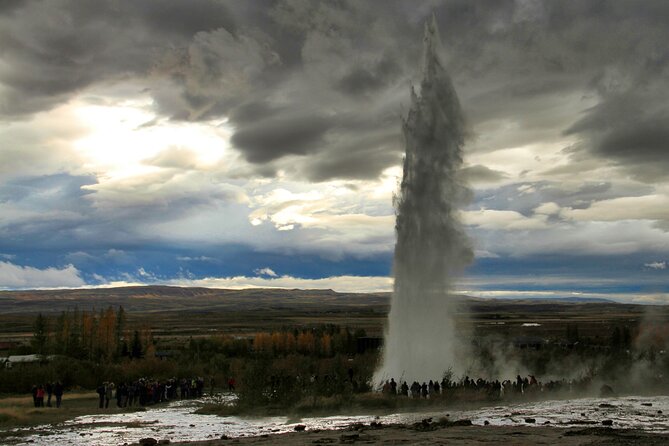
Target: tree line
[90,335]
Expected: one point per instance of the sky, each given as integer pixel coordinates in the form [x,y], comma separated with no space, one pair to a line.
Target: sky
[258,143]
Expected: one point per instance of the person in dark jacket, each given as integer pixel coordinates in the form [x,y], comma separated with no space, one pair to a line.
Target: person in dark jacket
[49,392]
[34,392]
[102,391]
[58,393]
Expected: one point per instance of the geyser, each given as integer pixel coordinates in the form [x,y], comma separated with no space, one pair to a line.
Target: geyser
[432,248]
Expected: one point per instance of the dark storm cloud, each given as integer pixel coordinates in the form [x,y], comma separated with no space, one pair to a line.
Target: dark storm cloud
[630,130]
[361,158]
[628,126]
[54,48]
[273,138]
[251,112]
[183,18]
[262,63]
[360,80]
[7,6]
[50,49]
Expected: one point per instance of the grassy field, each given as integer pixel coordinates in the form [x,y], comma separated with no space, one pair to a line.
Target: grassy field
[19,411]
[173,312]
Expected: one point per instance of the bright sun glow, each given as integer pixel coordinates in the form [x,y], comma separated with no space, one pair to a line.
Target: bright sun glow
[126,140]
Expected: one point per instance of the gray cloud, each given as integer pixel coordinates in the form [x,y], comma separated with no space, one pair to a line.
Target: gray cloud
[526,197]
[282,135]
[354,158]
[361,80]
[313,91]
[170,17]
[482,174]
[630,130]
[517,63]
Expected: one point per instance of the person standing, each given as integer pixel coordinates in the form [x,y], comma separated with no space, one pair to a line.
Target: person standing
[40,396]
[109,392]
[58,393]
[102,391]
[132,388]
[34,392]
[49,392]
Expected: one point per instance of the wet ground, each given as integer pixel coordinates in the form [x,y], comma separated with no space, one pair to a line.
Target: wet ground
[178,422]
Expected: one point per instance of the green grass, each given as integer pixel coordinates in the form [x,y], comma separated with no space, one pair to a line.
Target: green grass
[19,411]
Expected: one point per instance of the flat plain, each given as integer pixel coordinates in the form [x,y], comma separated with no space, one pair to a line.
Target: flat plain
[178,312]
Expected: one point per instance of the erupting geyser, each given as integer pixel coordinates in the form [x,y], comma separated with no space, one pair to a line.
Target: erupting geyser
[432,248]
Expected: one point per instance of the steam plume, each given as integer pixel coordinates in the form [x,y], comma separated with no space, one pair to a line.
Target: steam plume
[431,246]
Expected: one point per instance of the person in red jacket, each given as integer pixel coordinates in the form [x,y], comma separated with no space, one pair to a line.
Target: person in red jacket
[40,396]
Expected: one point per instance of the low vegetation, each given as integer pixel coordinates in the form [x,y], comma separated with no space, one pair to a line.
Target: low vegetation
[318,367]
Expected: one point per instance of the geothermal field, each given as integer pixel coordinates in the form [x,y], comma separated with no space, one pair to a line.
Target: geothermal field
[295,222]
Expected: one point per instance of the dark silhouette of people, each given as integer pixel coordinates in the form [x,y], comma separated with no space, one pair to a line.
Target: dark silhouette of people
[102,391]
[49,392]
[404,388]
[34,392]
[58,393]
[109,392]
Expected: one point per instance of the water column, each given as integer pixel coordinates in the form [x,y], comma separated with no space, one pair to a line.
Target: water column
[432,248]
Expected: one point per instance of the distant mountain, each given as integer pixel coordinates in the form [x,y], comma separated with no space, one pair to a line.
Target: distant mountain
[589,300]
[169,299]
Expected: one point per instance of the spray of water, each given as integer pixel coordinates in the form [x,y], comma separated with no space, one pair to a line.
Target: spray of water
[432,248]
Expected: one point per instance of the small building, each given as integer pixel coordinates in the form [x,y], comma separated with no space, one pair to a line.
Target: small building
[23,359]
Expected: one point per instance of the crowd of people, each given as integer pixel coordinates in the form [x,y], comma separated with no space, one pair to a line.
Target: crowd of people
[147,391]
[142,392]
[50,391]
[493,389]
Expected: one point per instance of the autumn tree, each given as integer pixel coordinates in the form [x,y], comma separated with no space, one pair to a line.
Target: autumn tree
[106,333]
[306,343]
[262,343]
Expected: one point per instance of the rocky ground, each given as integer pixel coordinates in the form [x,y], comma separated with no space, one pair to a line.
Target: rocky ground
[442,432]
